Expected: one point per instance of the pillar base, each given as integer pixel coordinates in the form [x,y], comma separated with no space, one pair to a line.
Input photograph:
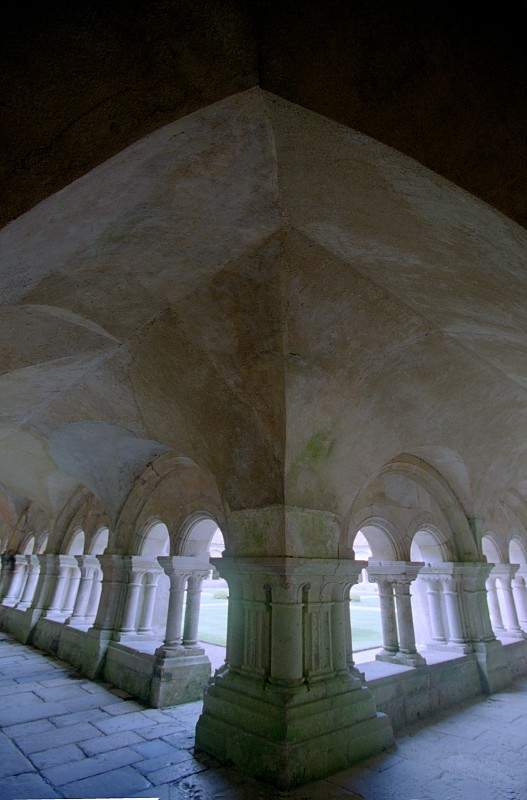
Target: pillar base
[456,648]
[513,635]
[405,659]
[179,678]
[74,646]
[95,648]
[494,667]
[46,635]
[291,736]
[20,623]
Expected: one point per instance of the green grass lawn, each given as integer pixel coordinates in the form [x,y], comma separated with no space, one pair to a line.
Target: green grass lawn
[365,620]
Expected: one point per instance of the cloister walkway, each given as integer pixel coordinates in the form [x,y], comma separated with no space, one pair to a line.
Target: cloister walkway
[64,736]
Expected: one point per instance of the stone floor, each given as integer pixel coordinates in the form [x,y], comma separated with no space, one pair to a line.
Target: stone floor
[64,736]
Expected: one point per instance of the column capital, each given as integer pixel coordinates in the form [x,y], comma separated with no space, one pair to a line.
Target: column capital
[472,574]
[52,563]
[393,571]
[286,577]
[504,571]
[185,566]
[88,561]
[19,560]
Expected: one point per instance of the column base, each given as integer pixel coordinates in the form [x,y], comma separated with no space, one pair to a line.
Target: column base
[517,635]
[404,659]
[456,648]
[303,734]
[494,667]
[95,648]
[20,623]
[46,635]
[179,678]
[74,646]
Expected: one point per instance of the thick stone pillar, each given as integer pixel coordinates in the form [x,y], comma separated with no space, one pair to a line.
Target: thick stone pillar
[182,669]
[390,639]
[5,574]
[492,659]
[33,572]
[190,628]
[18,576]
[504,575]
[399,575]
[287,707]
[115,572]
[519,589]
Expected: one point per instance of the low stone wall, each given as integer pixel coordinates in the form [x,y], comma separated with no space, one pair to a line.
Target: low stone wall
[517,657]
[415,694]
[411,694]
[130,670]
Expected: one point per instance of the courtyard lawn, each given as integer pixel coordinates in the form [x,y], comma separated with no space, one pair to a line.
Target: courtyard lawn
[365,619]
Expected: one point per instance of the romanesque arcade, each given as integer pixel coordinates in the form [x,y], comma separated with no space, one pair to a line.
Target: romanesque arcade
[122,602]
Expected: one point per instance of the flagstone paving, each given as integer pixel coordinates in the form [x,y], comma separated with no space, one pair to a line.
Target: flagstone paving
[62,736]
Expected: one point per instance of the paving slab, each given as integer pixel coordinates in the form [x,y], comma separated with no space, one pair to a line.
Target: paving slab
[119,783]
[66,754]
[104,762]
[12,761]
[127,722]
[60,736]
[24,787]
[111,742]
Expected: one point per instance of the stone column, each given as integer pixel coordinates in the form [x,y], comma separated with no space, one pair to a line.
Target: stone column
[150,582]
[31,582]
[433,596]
[89,567]
[181,672]
[95,597]
[173,635]
[494,606]
[399,574]
[390,640]
[504,585]
[16,584]
[287,706]
[452,592]
[5,575]
[72,588]
[131,605]
[190,628]
[519,590]
[405,625]
[62,572]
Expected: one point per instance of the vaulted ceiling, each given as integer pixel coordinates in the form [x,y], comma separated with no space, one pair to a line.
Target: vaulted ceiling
[197,265]
[444,83]
[282,299]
